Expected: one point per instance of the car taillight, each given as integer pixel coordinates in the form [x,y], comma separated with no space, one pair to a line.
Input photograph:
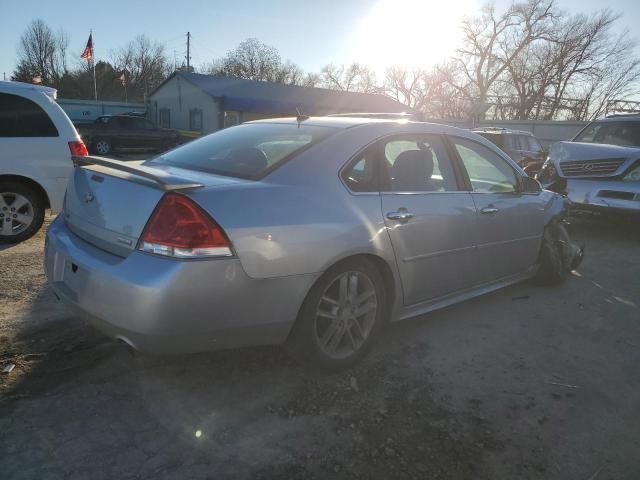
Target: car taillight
[179,228]
[78,148]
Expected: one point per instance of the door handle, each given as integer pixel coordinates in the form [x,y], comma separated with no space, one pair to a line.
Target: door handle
[490,209]
[402,214]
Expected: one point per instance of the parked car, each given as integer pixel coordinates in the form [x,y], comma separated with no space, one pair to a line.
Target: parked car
[521,146]
[37,140]
[110,133]
[310,231]
[599,169]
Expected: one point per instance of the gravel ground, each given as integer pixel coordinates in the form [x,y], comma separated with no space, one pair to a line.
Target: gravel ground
[526,383]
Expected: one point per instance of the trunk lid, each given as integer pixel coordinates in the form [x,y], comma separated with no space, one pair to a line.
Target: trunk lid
[590,160]
[108,205]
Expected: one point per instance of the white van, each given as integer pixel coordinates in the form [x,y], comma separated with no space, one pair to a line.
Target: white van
[37,140]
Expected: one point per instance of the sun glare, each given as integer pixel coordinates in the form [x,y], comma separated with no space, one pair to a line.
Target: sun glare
[412,33]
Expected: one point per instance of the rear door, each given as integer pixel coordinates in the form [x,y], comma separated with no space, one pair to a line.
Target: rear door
[509,223]
[429,218]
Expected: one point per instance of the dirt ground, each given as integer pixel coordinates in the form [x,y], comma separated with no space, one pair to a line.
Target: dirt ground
[524,383]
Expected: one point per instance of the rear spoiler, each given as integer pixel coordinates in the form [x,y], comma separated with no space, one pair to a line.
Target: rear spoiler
[163,180]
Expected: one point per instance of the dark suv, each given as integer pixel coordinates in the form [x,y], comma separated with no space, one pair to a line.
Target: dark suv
[126,132]
[520,145]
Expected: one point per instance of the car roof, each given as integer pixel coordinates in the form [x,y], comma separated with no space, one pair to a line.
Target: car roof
[21,86]
[627,117]
[335,122]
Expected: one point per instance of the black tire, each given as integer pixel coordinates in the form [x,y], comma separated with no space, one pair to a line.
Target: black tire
[9,191]
[554,264]
[303,342]
[102,146]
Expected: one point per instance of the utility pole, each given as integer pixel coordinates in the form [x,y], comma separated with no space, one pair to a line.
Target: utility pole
[188,50]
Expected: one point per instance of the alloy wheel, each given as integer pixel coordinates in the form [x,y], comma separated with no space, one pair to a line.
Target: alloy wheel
[16,213]
[103,147]
[345,315]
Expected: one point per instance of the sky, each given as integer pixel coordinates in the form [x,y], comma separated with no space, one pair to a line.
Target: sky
[310,33]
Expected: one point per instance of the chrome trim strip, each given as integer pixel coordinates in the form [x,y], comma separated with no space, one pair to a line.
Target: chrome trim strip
[513,240]
[436,254]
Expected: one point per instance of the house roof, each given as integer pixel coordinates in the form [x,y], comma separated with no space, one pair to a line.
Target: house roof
[266,97]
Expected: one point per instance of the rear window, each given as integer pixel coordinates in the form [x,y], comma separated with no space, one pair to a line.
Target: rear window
[623,134]
[246,151]
[495,138]
[21,117]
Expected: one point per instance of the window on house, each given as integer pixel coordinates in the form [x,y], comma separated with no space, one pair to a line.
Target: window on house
[231,119]
[165,118]
[195,119]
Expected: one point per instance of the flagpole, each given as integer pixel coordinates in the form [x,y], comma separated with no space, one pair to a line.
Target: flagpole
[93,62]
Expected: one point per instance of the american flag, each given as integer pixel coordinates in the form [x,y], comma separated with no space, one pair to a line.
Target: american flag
[87,54]
[122,78]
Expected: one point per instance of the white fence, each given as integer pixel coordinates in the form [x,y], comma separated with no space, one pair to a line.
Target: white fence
[547,131]
[89,110]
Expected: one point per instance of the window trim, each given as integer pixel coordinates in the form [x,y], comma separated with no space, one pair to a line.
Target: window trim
[504,157]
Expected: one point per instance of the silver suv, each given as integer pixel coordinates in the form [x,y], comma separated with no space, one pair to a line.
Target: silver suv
[599,170]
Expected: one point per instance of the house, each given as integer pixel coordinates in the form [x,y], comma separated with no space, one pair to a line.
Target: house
[206,103]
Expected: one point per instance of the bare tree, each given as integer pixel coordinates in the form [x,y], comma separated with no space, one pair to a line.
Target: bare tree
[574,74]
[349,78]
[425,90]
[145,64]
[252,60]
[493,41]
[42,54]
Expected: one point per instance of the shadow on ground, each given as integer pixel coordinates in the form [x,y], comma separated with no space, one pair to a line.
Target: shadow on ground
[472,391]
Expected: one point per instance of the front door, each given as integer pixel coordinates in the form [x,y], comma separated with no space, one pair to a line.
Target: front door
[509,222]
[429,218]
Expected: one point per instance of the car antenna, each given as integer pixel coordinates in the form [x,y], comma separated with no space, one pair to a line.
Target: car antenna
[300,117]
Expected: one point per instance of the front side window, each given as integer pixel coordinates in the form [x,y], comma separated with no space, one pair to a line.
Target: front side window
[246,151]
[488,172]
[21,117]
[417,164]
[623,134]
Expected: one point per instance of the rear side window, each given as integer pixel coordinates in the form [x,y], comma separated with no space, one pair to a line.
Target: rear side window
[247,151]
[21,117]
[361,175]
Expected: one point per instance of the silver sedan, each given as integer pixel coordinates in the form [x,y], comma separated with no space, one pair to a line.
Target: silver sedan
[312,232]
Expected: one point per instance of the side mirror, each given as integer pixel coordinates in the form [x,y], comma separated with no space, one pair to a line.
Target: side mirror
[529,185]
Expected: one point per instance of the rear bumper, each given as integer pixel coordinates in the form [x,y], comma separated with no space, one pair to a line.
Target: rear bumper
[162,305]
[614,196]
